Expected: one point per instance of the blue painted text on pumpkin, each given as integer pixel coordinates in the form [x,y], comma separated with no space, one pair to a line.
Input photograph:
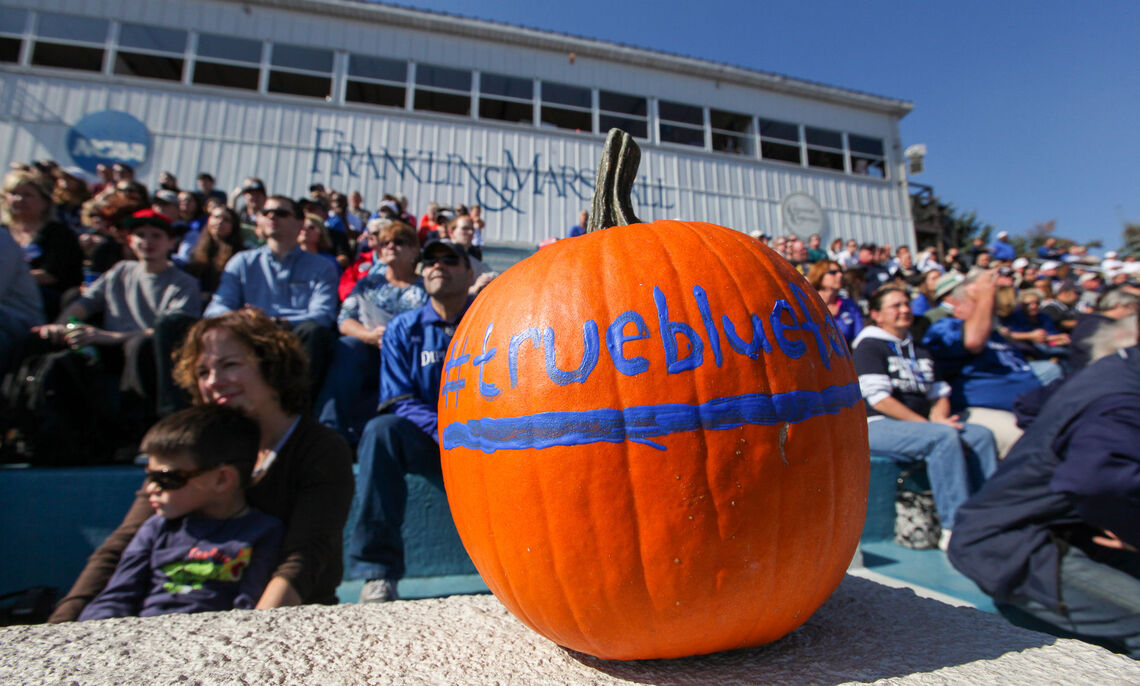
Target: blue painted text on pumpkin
[683,344]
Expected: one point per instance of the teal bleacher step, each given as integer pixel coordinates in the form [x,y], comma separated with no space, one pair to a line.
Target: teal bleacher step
[54,518]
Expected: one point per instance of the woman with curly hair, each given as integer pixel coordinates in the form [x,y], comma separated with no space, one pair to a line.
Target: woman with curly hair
[216,245]
[303,473]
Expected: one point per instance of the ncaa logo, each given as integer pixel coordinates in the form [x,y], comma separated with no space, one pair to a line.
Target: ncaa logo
[108,137]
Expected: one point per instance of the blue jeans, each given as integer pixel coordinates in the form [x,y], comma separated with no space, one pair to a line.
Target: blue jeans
[1046,371]
[349,396]
[390,448]
[957,461]
[1100,590]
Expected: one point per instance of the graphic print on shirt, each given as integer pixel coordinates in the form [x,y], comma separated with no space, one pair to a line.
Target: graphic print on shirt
[910,375]
[202,566]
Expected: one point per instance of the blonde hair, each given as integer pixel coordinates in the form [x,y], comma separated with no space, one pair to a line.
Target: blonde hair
[18,177]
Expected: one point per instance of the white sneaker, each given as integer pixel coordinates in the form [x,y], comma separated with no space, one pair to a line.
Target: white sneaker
[379,591]
[944,540]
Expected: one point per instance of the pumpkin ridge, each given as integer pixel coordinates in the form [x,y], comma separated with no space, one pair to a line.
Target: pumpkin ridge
[563,570]
[569,604]
[615,250]
[713,249]
[714,245]
[562,563]
[769,280]
[684,309]
[615,254]
[712,462]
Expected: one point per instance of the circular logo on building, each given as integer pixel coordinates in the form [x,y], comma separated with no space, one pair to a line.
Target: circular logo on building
[108,137]
[802,214]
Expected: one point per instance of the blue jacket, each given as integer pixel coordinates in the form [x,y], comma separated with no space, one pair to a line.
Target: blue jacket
[1074,474]
[993,378]
[411,365]
[1003,251]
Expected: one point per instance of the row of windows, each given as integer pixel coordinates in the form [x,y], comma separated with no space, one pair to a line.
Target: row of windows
[129,49]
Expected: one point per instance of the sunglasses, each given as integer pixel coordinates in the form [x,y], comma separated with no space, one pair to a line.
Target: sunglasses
[279,212]
[449,260]
[173,479]
[834,271]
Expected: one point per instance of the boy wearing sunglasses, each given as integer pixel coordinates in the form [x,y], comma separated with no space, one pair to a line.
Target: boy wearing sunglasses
[205,549]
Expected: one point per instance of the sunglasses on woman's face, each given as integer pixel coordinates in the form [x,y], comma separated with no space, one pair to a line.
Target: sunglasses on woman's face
[173,479]
[449,260]
[834,271]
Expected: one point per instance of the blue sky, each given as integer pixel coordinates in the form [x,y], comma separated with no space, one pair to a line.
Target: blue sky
[1030,111]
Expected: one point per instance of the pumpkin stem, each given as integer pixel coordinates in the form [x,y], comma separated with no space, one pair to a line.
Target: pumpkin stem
[612,204]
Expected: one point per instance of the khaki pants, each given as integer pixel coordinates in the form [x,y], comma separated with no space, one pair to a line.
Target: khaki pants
[1002,423]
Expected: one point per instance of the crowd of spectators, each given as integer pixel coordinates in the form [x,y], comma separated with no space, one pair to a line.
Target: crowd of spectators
[957,354]
[313,264]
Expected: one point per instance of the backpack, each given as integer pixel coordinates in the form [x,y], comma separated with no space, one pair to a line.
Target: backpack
[51,412]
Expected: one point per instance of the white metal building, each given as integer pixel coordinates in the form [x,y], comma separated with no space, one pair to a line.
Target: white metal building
[360,96]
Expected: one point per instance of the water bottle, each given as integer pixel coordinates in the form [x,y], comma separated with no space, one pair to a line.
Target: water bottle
[89,352]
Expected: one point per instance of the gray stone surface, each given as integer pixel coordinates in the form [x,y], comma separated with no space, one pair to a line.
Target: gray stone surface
[866,633]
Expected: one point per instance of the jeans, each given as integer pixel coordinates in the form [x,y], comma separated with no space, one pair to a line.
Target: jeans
[957,461]
[349,396]
[1046,371]
[390,448]
[1101,594]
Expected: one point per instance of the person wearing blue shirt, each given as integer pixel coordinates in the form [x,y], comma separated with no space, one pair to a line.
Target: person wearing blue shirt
[404,438]
[297,289]
[985,373]
[1002,250]
[579,229]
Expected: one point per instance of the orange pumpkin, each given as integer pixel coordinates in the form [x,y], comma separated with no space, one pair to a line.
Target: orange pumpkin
[653,441]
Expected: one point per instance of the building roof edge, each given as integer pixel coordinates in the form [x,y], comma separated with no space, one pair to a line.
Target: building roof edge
[413,18]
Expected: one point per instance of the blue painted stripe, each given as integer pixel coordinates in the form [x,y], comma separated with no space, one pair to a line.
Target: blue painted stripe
[639,424]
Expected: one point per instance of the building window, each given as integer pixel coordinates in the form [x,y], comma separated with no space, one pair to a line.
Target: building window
[732,132]
[681,124]
[626,112]
[442,89]
[780,141]
[13,23]
[227,62]
[297,70]
[506,98]
[150,52]
[567,107]
[69,42]
[824,148]
[376,81]
[867,156]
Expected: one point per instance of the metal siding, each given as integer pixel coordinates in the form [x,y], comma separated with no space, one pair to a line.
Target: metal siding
[243,134]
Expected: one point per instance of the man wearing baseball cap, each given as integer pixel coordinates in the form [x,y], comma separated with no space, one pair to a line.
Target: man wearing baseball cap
[403,438]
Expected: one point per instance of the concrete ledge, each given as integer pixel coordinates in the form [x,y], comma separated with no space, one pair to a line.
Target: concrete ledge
[865,633]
